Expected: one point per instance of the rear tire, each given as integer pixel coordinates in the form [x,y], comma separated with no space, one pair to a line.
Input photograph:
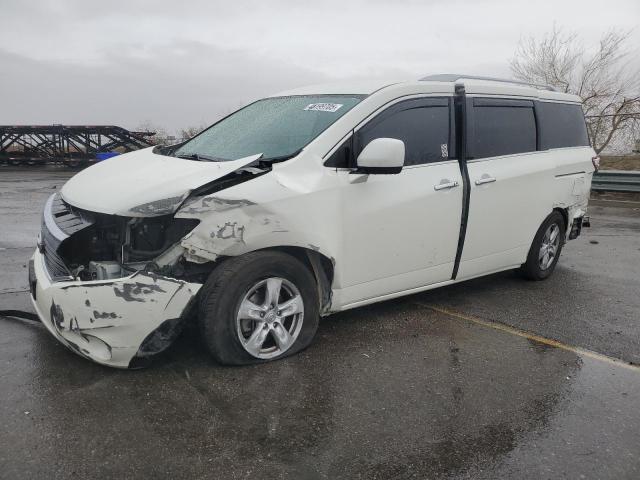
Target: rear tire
[545,249]
[258,307]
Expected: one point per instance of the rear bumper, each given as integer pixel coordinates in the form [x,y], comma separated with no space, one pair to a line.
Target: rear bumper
[576,226]
[115,322]
[576,215]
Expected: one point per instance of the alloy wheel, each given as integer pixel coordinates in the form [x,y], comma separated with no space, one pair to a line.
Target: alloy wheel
[549,247]
[270,317]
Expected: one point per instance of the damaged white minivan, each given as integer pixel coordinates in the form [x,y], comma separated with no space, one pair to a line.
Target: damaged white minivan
[307,203]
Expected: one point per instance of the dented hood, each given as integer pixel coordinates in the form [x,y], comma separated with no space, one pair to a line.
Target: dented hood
[143,183]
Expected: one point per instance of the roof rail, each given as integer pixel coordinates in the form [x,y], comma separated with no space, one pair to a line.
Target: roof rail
[454,77]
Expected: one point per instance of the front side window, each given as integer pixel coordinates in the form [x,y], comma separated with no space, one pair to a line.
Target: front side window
[423,125]
[502,127]
[276,127]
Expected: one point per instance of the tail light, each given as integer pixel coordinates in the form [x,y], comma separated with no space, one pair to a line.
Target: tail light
[596,162]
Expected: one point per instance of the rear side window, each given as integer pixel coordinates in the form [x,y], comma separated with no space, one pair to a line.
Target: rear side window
[561,125]
[423,125]
[502,127]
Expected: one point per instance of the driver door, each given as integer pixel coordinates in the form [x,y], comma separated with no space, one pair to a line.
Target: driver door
[401,231]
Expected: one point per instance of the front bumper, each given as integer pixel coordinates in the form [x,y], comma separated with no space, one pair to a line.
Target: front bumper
[115,322]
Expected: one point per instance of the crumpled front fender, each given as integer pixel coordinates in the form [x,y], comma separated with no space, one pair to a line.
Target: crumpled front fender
[230,226]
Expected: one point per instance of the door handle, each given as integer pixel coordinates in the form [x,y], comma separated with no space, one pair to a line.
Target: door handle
[445,185]
[484,180]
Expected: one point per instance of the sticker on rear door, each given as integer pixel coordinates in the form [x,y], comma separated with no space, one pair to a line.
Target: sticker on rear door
[324,107]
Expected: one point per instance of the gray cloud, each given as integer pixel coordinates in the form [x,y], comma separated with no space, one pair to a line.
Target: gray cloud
[181,85]
[185,63]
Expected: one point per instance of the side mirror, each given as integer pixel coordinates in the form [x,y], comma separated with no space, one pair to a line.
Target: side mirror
[382,155]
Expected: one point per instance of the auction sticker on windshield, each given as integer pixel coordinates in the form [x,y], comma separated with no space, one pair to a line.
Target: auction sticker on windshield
[324,107]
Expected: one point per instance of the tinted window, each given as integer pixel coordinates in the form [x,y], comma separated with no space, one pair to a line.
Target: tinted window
[562,125]
[342,157]
[423,129]
[503,127]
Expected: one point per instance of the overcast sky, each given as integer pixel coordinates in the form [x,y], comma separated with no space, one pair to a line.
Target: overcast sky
[183,63]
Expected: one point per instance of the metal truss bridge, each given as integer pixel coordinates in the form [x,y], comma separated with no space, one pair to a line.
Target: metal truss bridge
[73,145]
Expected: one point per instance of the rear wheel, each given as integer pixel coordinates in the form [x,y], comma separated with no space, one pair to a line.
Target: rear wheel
[545,249]
[258,307]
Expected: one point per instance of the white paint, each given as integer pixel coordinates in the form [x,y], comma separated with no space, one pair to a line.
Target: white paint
[505,215]
[387,235]
[114,335]
[382,153]
[119,184]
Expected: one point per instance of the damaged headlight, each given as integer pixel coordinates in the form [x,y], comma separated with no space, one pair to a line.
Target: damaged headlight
[111,246]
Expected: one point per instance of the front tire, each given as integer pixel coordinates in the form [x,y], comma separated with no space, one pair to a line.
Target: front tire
[545,249]
[258,307]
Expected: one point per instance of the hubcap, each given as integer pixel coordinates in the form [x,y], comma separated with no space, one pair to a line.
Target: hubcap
[270,317]
[549,247]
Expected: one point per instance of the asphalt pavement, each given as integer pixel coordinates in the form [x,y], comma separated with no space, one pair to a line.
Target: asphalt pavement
[497,377]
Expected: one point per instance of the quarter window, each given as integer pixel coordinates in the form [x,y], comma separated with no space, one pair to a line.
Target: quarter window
[562,125]
[502,127]
[342,157]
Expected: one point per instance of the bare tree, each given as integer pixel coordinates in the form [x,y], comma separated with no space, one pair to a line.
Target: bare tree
[160,135]
[189,132]
[608,85]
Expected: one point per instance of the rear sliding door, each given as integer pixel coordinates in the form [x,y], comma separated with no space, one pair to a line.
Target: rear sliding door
[510,184]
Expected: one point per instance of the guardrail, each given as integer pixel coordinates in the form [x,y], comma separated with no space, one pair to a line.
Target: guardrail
[616,181]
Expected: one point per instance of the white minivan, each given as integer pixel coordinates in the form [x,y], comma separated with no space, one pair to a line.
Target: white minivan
[306,203]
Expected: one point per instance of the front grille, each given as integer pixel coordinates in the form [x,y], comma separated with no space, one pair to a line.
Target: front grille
[59,222]
[67,219]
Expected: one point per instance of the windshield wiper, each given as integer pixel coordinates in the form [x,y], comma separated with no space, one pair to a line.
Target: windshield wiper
[202,158]
[280,158]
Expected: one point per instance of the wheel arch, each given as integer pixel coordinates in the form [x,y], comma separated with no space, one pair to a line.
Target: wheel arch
[321,266]
[565,216]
